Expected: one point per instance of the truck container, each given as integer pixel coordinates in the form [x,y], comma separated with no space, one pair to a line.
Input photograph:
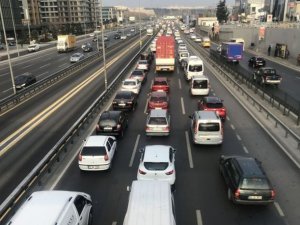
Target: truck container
[66,43]
[165,54]
[232,52]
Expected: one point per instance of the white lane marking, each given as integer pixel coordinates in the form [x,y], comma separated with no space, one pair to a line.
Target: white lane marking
[44,65]
[4,74]
[27,73]
[298,78]
[279,210]
[62,65]
[177,70]
[188,146]
[228,118]
[232,126]
[214,94]
[245,149]
[114,223]
[199,217]
[7,90]
[238,137]
[182,106]
[42,74]
[134,150]
[27,66]
[146,107]
[179,83]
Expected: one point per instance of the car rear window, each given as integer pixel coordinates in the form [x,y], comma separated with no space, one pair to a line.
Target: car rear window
[158,99]
[156,165]
[93,150]
[123,95]
[216,105]
[107,122]
[129,82]
[158,121]
[200,84]
[209,127]
[160,82]
[137,73]
[196,68]
[255,183]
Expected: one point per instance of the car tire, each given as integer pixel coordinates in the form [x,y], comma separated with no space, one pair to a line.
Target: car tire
[229,194]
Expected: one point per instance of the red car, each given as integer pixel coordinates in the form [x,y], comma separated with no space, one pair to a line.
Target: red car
[158,100]
[160,83]
[211,103]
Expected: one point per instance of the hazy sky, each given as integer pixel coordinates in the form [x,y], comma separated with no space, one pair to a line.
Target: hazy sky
[163,3]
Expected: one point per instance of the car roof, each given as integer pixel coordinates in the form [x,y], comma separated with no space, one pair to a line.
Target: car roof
[131,79]
[158,113]
[156,153]
[160,79]
[249,166]
[95,140]
[212,99]
[123,93]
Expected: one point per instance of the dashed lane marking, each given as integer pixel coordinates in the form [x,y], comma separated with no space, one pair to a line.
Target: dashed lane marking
[245,149]
[279,210]
[238,137]
[199,217]
[182,106]
[188,146]
[179,83]
[44,65]
[42,74]
[232,126]
[134,150]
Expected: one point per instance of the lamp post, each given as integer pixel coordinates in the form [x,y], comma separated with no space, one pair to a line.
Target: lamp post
[14,26]
[28,23]
[9,62]
[103,46]
[140,24]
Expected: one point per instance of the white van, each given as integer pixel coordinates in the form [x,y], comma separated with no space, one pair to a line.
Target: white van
[206,128]
[150,203]
[194,67]
[238,40]
[54,207]
[199,85]
[183,55]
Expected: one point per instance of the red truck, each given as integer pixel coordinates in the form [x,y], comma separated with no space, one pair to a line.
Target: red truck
[165,54]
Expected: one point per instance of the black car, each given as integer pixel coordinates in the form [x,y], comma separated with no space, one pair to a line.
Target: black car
[246,180]
[22,81]
[125,100]
[117,36]
[147,55]
[87,47]
[112,123]
[256,62]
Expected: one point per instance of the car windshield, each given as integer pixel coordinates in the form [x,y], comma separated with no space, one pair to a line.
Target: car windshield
[20,79]
[142,62]
[270,71]
[137,73]
[195,68]
[216,105]
[123,95]
[158,121]
[184,54]
[31,46]
[199,84]
[255,183]
[160,82]
[93,151]
[156,165]
[131,83]
[209,127]
[158,99]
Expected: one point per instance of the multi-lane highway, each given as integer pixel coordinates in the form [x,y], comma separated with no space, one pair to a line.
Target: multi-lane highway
[200,195]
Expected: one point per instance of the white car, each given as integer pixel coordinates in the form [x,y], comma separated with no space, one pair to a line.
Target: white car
[179,41]
[157,163]
[132,84]
[123,37]
[182,47]
[193,36]
[198,39]
[97,153]
[142,65]
[33,48]
[158,123]
[76,57]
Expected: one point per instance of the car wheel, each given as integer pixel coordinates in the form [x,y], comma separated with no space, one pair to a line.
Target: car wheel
[229,194]
[90,222]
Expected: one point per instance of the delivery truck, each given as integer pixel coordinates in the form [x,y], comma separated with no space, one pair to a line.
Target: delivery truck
[165,54]
[66,43]
[232,52]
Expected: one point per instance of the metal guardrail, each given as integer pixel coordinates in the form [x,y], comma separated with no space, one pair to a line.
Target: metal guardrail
[34,177]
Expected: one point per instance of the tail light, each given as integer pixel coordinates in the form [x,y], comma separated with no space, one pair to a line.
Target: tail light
[129,103]
[272,194]
[106,158]
[237,193]
[147,128]
[195,129]
[142,172]
[79,157]
[166,128]
[97,127]
[170,172]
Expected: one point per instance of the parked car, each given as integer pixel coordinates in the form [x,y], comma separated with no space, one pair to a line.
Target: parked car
[256,61]
[160,83]
[97,153]
[157,163]
[87,47]
[139,74]
[123,37]
[143,65]
[124,100]
[117,36]
[23,81]
[112,123]
[212,103]
[158,123]
[267,75]
[33,47]
[246,181]
[131,84]
[76,57]
[158,100]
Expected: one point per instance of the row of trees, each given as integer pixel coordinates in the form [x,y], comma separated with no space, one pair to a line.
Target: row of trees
[222,12]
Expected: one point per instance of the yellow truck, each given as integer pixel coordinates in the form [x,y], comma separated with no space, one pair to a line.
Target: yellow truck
[66,43]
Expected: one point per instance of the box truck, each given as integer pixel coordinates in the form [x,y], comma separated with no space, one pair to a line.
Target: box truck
[165,54]
[66,43]
[232,52]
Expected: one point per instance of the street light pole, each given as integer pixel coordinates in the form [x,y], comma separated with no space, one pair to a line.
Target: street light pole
[28,23]
[103,46]
[9,62]
[140,24]
[14,26]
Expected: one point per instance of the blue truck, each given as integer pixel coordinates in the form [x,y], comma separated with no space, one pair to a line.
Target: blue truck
[232,52]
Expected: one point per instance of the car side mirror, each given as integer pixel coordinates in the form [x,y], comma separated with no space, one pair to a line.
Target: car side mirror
[174,150]
[190,117]
[141,150]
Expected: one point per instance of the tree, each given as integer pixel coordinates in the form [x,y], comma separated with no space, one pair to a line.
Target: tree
[222,12]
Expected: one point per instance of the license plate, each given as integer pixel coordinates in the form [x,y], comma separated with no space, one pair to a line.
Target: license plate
[255,197]
[107,128]
[121,104]
[93,167]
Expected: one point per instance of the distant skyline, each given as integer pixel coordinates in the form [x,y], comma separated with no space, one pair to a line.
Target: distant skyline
[164,3]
